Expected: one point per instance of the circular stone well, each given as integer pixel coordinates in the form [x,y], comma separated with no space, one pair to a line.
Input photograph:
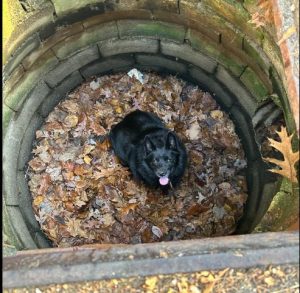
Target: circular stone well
[210,43]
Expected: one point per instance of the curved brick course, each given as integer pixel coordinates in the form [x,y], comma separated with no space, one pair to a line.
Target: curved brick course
[224,55]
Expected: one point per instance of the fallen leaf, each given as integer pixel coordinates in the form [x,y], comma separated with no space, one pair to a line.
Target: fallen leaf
[44,184]
[97,128]
[107,220]
[103,146]
[71,120]
[38,200]
[194,131]
[291,30]
[94,85]
[196,209]
[290,158]
[79,170]
[37,164]
[127,208]
[150,283]
[216,114]
[104,173]
[269,281]
[156,231]
[87,160]
[194,289]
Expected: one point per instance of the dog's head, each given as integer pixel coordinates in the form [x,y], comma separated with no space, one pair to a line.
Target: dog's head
[162,159]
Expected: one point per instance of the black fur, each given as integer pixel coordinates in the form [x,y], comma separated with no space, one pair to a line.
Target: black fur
[148,148]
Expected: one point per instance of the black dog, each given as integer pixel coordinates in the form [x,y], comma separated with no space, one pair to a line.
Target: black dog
[153,153]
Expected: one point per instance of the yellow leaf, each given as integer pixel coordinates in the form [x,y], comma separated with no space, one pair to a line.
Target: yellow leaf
[290,158]
[269,281]
[194,289]
[38,200]
[151,283]
[119,110]
[71,120]
[209,287]
[216,114]
[87,149]
[287,34]
[87,159]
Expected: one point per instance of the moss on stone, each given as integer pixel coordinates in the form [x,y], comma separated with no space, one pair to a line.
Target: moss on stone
[90,36]
[64,7]
[235,13]
[201,43]
[156,29]
[254,85]
[283,210]
[45,63]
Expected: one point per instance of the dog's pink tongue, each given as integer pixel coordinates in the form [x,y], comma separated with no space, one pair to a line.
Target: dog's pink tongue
[163,180]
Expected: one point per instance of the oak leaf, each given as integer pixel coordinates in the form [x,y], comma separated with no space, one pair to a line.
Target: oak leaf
[290,158]
[126,209]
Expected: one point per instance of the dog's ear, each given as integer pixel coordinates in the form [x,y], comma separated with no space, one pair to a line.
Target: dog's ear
[148,145]
[171,142]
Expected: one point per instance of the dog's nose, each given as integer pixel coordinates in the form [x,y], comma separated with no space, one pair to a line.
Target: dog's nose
[161,174]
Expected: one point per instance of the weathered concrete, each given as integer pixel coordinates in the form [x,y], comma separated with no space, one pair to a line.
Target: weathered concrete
[112,261]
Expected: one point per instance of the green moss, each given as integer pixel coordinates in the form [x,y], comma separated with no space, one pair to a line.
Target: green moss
[255,86]
[92,35]
[17,96]
[235,13]
[156,29]
[63,7]
[283,210]
[201,43]
[255,54]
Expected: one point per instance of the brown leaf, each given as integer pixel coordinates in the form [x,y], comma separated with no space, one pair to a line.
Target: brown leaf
[68,175]
[44,184]
[82,120]
[147,236]
[37,164]
[69,166]
[80,183]
[107,220]
[196,209]
[290,158]
[79,170]
[105,172]
[74,228]
[69,206]
[126,209]
[97,128]
[70,105]
[103,146]
[53,126]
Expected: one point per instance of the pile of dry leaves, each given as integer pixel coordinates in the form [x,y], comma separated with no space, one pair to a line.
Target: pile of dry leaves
[81,193]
